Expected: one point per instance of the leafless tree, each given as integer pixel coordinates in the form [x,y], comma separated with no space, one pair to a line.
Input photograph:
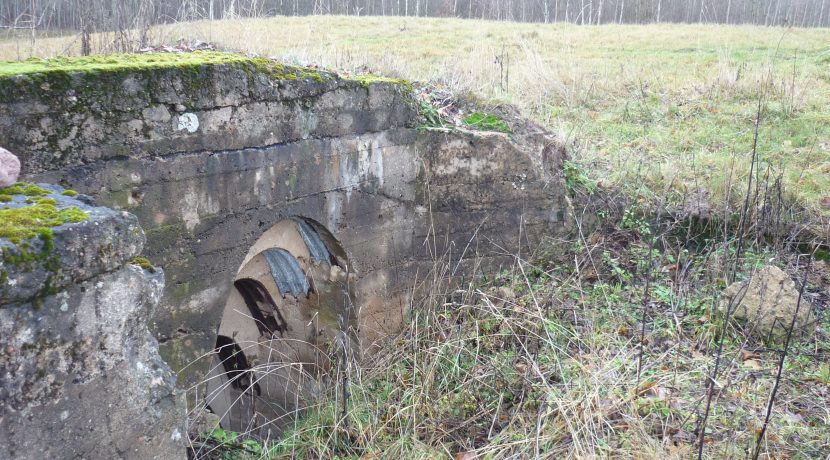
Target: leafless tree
[34,17]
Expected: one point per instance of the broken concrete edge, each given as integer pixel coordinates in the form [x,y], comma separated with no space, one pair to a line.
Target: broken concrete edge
[82,366]
[52,238]
[73,111]
[78,360]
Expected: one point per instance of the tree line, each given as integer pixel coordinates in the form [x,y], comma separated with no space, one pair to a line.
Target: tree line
[113,15]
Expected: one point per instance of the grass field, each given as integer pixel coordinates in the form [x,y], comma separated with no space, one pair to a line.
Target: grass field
[544,360]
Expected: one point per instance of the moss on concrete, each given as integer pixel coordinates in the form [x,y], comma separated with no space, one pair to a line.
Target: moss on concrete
[118,62]
[367,80]
[23,188]
[486,122]
[22,223]
[34,77]
[143,263]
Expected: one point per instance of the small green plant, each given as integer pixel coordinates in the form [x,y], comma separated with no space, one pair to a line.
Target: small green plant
[230,445]
[430,118]
[620,273]
[486,122]
[823,374]
[577,179]
[663,294]
[632,221]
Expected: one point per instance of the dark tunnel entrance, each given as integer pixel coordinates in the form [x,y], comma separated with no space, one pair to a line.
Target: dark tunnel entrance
[288,327]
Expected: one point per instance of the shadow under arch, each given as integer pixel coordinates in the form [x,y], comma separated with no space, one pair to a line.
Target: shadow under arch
[289,326]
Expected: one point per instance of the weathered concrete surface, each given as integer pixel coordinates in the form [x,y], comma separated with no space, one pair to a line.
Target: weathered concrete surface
[56,120]
[80,374]
[209,166]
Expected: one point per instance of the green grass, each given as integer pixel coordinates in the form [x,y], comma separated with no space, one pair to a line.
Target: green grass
[486,122]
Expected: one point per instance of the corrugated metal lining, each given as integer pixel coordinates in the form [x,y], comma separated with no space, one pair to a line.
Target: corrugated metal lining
[316,246]
[286,272]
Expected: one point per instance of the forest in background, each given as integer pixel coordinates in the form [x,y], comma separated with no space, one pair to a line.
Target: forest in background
[61,16]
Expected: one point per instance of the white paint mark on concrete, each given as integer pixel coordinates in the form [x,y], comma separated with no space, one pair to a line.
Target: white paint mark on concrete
[188,121]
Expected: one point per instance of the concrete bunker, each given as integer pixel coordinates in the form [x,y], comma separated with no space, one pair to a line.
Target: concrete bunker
[293,216]
[289,320]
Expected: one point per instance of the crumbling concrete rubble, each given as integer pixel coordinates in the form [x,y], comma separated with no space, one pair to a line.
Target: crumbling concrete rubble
[80,373]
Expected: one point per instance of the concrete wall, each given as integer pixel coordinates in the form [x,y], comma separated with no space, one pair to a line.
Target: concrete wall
[211,159]
[80,373]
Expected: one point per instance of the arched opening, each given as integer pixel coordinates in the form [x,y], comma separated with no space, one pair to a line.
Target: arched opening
[287,324]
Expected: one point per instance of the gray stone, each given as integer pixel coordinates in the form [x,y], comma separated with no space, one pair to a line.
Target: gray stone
[80,376]
[80,373]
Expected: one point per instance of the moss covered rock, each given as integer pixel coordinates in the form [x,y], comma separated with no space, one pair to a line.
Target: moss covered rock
[49,240]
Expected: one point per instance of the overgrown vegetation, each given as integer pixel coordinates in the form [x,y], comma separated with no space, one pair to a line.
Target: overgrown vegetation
[555,358]
[716,144]
[657,105]
[486,122]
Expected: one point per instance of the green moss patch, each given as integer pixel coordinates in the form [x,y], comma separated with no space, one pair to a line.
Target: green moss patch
[144,264]
[366,80]
[486,122]
[112,62]
[23,188]
[22,223]
[70,193]
[150,61]
[92,78]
